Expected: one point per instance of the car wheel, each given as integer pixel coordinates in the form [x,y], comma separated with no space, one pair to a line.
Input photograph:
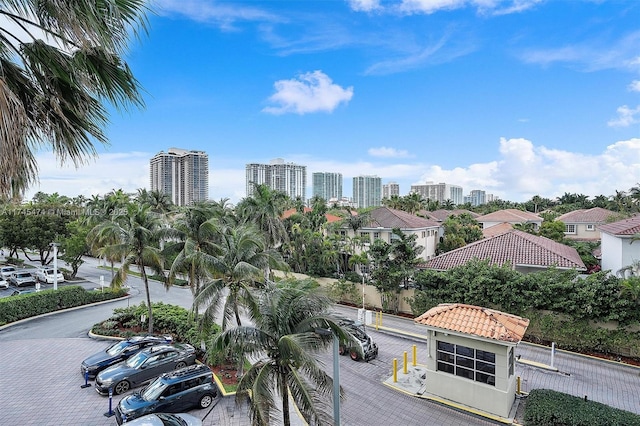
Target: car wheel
[121,387]
[180,365]
[206,401]
[342,350]
[354,355]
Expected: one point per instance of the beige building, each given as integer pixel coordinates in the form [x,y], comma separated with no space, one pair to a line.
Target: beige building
[583,224]
[471,356]
[512,216]
[383,220]
[182,175]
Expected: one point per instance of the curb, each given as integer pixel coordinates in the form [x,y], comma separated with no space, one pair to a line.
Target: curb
[75,308]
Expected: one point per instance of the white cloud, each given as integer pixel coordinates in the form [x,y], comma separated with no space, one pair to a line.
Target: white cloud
[626,117]
[634,86]
[310,92]
[386,152]
[524,170]
[492,7]
[595,54]
[364,5]
[223,15]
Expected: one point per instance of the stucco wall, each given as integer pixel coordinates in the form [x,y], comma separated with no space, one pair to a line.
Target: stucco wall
[496,399]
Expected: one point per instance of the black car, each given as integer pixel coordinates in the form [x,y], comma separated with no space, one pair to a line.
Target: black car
[144,366]
[172,392]
[117,352]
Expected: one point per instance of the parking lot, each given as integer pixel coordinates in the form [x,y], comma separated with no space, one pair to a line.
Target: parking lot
[41,385]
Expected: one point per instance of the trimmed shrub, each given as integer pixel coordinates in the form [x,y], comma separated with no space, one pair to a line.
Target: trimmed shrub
[15,308]
[551,408]
[167,320]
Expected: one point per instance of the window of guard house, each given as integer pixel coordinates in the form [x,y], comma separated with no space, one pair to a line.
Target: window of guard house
[463,361]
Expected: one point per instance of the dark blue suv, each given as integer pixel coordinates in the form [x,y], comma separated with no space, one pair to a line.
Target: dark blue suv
[172,392]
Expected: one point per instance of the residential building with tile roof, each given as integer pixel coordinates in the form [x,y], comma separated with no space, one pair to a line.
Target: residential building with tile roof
[383,220]
[583,224]
[523,251]
[471,355]
[512,216]
[620,244]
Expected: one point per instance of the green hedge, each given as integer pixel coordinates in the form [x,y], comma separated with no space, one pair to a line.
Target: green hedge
[15,308]
[167,319]
[551,408]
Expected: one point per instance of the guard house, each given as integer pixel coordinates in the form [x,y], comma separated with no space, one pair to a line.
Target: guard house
[471,355]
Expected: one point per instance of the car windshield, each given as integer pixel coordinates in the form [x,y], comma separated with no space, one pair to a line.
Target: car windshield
[153,391]
[23,275]
[171,420]
[137,360]
[117,348]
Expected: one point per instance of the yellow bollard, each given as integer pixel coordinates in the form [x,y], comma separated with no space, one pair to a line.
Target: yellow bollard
[415,355]
[404,369]
[395,370]
[518,392]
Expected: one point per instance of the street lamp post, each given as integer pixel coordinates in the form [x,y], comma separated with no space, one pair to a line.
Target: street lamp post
[336,374]
[55,265]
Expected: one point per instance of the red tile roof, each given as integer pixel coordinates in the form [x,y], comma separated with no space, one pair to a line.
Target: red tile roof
[492,231]
[390,218]
[594,215]
[516,247]
[330,217]
[511,216]
[476,321]
[629,226]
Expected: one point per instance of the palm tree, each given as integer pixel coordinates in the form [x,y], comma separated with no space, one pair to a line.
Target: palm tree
[284,340]
[241,262]
[133,237]
[192,236]
[156,199]
[265,208]
[61,63]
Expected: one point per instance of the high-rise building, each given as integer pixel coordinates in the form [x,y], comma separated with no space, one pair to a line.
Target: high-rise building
[367,191]
[440,192]
[389,189]
[280,176]
[476,197]
[327,185]
[182,175]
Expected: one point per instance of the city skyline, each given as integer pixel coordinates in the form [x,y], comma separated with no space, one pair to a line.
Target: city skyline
[516,98]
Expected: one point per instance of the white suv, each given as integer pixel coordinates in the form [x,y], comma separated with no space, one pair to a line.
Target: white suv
[6,271]
[47,275]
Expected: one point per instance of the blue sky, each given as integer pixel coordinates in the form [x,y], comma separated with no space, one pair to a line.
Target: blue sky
[517,98]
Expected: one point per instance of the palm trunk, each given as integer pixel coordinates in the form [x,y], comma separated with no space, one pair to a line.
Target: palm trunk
[286,420]
[146,288]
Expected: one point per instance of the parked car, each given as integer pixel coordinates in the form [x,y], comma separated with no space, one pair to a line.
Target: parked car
[19,292]
[48,275]
[6,271]
[166,419]
[118,352]
[144,366]
[176,391]
[21,279]
[4,283]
